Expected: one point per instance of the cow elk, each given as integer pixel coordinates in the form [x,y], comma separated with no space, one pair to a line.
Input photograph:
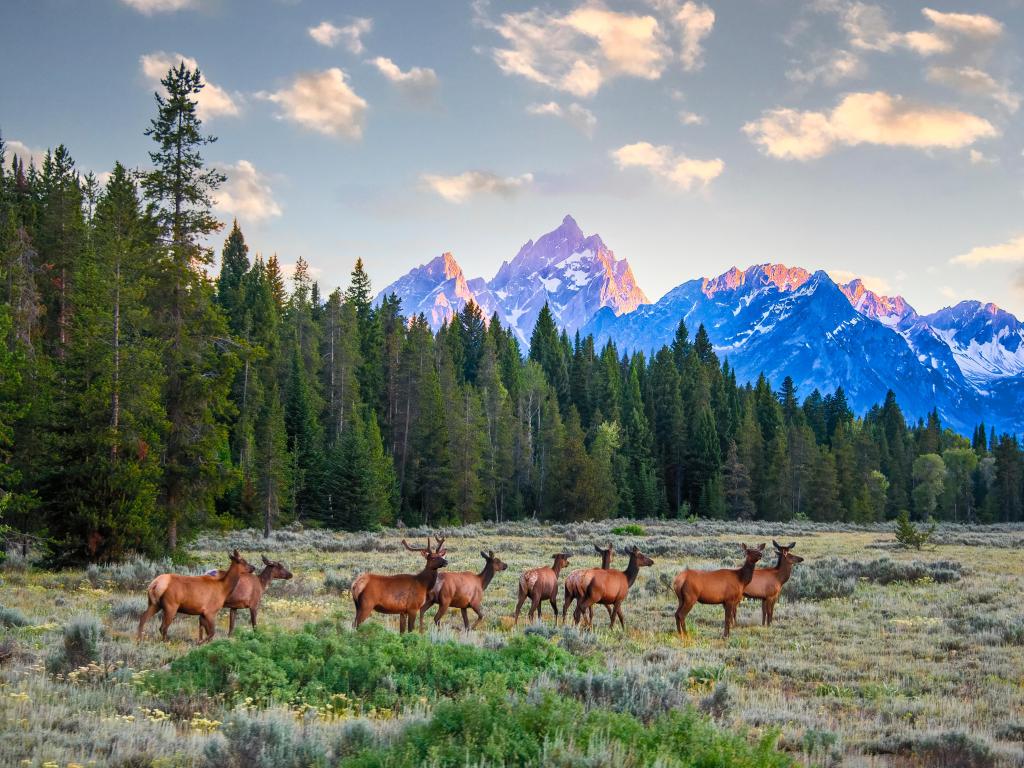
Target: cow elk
[462,590]
[767,583]
[403,594]
[722,587]
[540,584]
[610,587]
[201,596]
[577,581]
[249,592]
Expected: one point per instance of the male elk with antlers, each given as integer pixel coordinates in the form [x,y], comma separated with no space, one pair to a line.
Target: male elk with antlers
[201,596]
[540,584]
[610,587]
[403,594]
[462,590]
[766,585]
[249,592]
[577,581]
[722,587]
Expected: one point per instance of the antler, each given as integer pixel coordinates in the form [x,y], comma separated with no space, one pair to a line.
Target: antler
[411,548]
[440,542]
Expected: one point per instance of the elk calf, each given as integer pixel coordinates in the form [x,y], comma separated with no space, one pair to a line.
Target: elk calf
[766,585]
[540,584]
[462,590]
[249,592]
[403,594]
[577,581]
[722,587]
[610,587]
[201,596]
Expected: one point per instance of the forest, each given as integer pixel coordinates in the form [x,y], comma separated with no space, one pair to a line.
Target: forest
[149,391]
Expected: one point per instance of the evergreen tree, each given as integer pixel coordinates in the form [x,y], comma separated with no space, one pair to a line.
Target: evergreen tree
[736,482]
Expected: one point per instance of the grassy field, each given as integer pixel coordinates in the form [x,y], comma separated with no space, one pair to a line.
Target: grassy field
[878,656]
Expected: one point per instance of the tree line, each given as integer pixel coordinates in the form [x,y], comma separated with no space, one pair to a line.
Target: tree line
[143,399]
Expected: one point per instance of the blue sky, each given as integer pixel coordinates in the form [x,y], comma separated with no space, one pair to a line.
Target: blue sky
[878,140]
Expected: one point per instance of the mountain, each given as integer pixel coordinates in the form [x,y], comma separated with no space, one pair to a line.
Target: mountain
[987,342]
[784,321]
[573,273]
[439,290]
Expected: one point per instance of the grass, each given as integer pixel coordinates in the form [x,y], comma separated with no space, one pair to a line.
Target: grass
[878,657]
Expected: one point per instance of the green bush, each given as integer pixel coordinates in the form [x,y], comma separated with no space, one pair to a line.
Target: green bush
[371,666]
[630,529]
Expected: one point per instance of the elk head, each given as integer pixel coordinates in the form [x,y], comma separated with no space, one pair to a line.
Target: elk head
[560,560]
[753,554]
[277,569]
[494,562]
[641,559]
[237,559]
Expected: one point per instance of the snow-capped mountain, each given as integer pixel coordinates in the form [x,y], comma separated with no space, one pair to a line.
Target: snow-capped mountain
[573,273]
[439,290]
[784,321]
[987,342]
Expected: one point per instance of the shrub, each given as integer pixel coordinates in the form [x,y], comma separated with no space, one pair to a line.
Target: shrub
[949,748]
[337,582]
[12,617]
[639,694]
[909,536]
[833,577]
[130,608]
[631,529]
[263,742]
[80,646]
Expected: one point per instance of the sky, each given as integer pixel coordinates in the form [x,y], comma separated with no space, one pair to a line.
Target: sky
[877,140]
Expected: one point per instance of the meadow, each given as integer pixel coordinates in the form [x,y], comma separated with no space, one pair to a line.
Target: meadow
[879,656]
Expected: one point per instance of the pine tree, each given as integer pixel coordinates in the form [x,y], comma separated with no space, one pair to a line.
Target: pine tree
[736,483]
[234,265]
[272,464]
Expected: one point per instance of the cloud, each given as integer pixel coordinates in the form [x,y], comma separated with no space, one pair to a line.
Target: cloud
[980,158]
[696,21]
[579,51]
[1010,252]
[575,114]
[975,82]
[973,25]
[213,100]
[680,170]
[690,118]
[149,7]
[323,102]
[830,69]
[461,187]
[27,154]
[879,285]
[351,35]
[865,118]
[247,193]
[419,83]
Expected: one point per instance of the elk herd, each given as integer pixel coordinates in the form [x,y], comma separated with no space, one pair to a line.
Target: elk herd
[411,595]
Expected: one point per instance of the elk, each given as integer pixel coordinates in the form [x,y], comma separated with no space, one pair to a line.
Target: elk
[722,587]
[576,582]
[610,587]
[766,585]
[403,594]
[462,590]
[201,596]
[249,592]
[540,584]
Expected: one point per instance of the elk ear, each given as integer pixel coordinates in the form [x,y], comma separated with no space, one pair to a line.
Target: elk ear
[265,561]
[485,556]
[793,544]
[597,548]
[776,544]
[761,548]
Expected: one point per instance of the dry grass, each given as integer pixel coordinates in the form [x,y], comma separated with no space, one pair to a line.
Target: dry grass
[891,674]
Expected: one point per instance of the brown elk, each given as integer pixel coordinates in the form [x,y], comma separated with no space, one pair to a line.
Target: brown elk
[540,584]
[577,581]
[249,592]
[766,585]
[403,594]
[201,596]
[462,590]
[610,587]
[722,587]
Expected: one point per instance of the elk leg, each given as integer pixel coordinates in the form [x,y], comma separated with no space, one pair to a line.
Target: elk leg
[423,611]
[535,611]
[685,606]
[764,613]
[582,606]
[618,612]
[442,609]
[362,614]
[411,623]
[231,622]
[169,614]
[479,615]
[728,617]
[771,611]
[566,601]
[465,618]
[554,606]
[148,614]
[401,624]
[519,606]
[252,616]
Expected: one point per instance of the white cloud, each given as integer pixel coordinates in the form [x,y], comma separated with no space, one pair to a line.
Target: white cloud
[351,35]
[838,65]
[575,114]
[1010,252]
[149,7]
[581,50]
[213,100]
[463,186]
[696,21]
[247,194]
[419,83]
[323,102]
[973,25]
[879,285]
[865,118]
[685,172]
[975,82]
[980,158]
[690,118]
[27,154]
